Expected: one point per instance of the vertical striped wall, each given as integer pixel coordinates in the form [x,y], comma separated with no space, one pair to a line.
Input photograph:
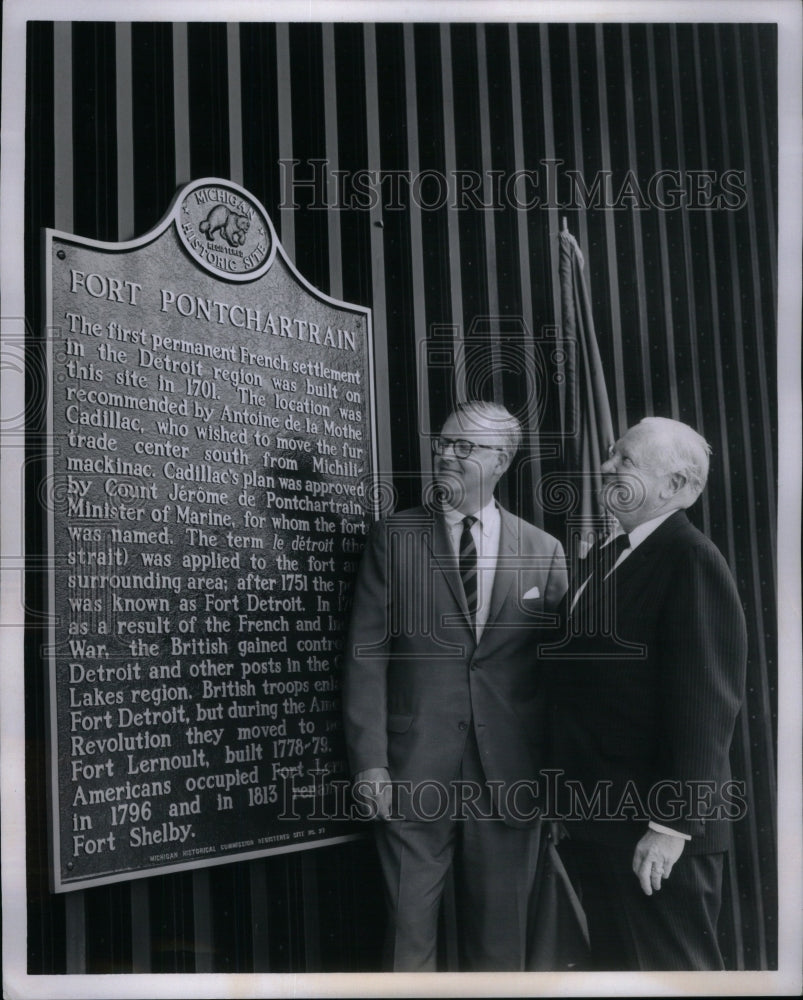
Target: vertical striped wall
[120,115]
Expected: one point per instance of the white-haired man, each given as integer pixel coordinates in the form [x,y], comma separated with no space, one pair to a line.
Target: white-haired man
[644,702]
[441,697]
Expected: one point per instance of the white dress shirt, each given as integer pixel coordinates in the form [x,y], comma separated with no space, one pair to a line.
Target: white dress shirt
[485,531]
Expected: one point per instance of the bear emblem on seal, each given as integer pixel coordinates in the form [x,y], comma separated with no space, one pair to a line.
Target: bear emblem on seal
[231,226]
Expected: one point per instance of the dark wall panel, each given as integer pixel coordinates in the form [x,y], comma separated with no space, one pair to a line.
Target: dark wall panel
[94,131]
[207,61]
[309,144]
[153,119]
[260,112]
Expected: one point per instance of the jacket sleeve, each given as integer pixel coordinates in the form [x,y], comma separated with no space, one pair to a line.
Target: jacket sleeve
[557,579]
[703,647]
[366,657]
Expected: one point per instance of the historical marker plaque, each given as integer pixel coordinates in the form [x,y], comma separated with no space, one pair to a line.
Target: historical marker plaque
[210,467]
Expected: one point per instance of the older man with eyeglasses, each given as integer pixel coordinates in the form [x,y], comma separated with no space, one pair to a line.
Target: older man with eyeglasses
[443,699]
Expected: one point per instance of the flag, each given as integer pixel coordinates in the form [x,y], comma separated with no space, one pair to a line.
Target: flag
[586,417]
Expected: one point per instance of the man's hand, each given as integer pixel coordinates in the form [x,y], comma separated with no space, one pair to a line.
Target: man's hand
[654,858]
[374,790]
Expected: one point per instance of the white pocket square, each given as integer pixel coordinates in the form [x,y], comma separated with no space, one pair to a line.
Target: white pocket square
[532,594]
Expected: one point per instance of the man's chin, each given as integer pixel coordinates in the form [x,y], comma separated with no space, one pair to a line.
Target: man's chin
[448,490]
[622,497]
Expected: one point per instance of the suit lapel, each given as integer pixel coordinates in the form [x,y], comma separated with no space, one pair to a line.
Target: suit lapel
[646,551]
[505,573]
[444,557]
[642,554]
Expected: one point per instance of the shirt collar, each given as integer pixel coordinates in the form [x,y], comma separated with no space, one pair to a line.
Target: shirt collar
[487,516]
[642,531]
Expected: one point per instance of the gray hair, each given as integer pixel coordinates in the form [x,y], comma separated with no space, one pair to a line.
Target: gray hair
[498,420]
[683,450]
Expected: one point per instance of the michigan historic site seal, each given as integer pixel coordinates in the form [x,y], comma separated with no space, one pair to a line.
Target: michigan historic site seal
[226,230]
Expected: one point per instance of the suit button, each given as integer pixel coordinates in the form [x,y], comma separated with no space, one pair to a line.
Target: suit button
[462,725]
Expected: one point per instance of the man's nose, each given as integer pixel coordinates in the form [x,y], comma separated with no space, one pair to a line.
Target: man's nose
[608,466]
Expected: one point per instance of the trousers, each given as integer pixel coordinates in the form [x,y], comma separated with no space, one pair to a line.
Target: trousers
[674,929]
[494,869]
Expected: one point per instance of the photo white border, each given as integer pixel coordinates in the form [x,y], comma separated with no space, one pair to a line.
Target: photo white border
[788,980]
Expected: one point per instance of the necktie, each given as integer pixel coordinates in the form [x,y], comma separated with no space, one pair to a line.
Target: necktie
[610,552]
[468,566]
[597,565]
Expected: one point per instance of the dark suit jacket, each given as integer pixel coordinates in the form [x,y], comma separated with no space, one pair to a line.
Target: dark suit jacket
[414,675]
[657,701]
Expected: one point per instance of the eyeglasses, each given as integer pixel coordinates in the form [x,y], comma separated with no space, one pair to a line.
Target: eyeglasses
[460,447]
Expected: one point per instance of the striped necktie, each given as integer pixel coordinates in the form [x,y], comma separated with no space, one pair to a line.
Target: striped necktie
[468,566]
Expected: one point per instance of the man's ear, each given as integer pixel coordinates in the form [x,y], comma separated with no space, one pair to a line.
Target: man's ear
[676,483]
[503,462]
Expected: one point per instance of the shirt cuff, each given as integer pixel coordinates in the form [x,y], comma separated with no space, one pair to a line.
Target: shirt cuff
[665,829]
